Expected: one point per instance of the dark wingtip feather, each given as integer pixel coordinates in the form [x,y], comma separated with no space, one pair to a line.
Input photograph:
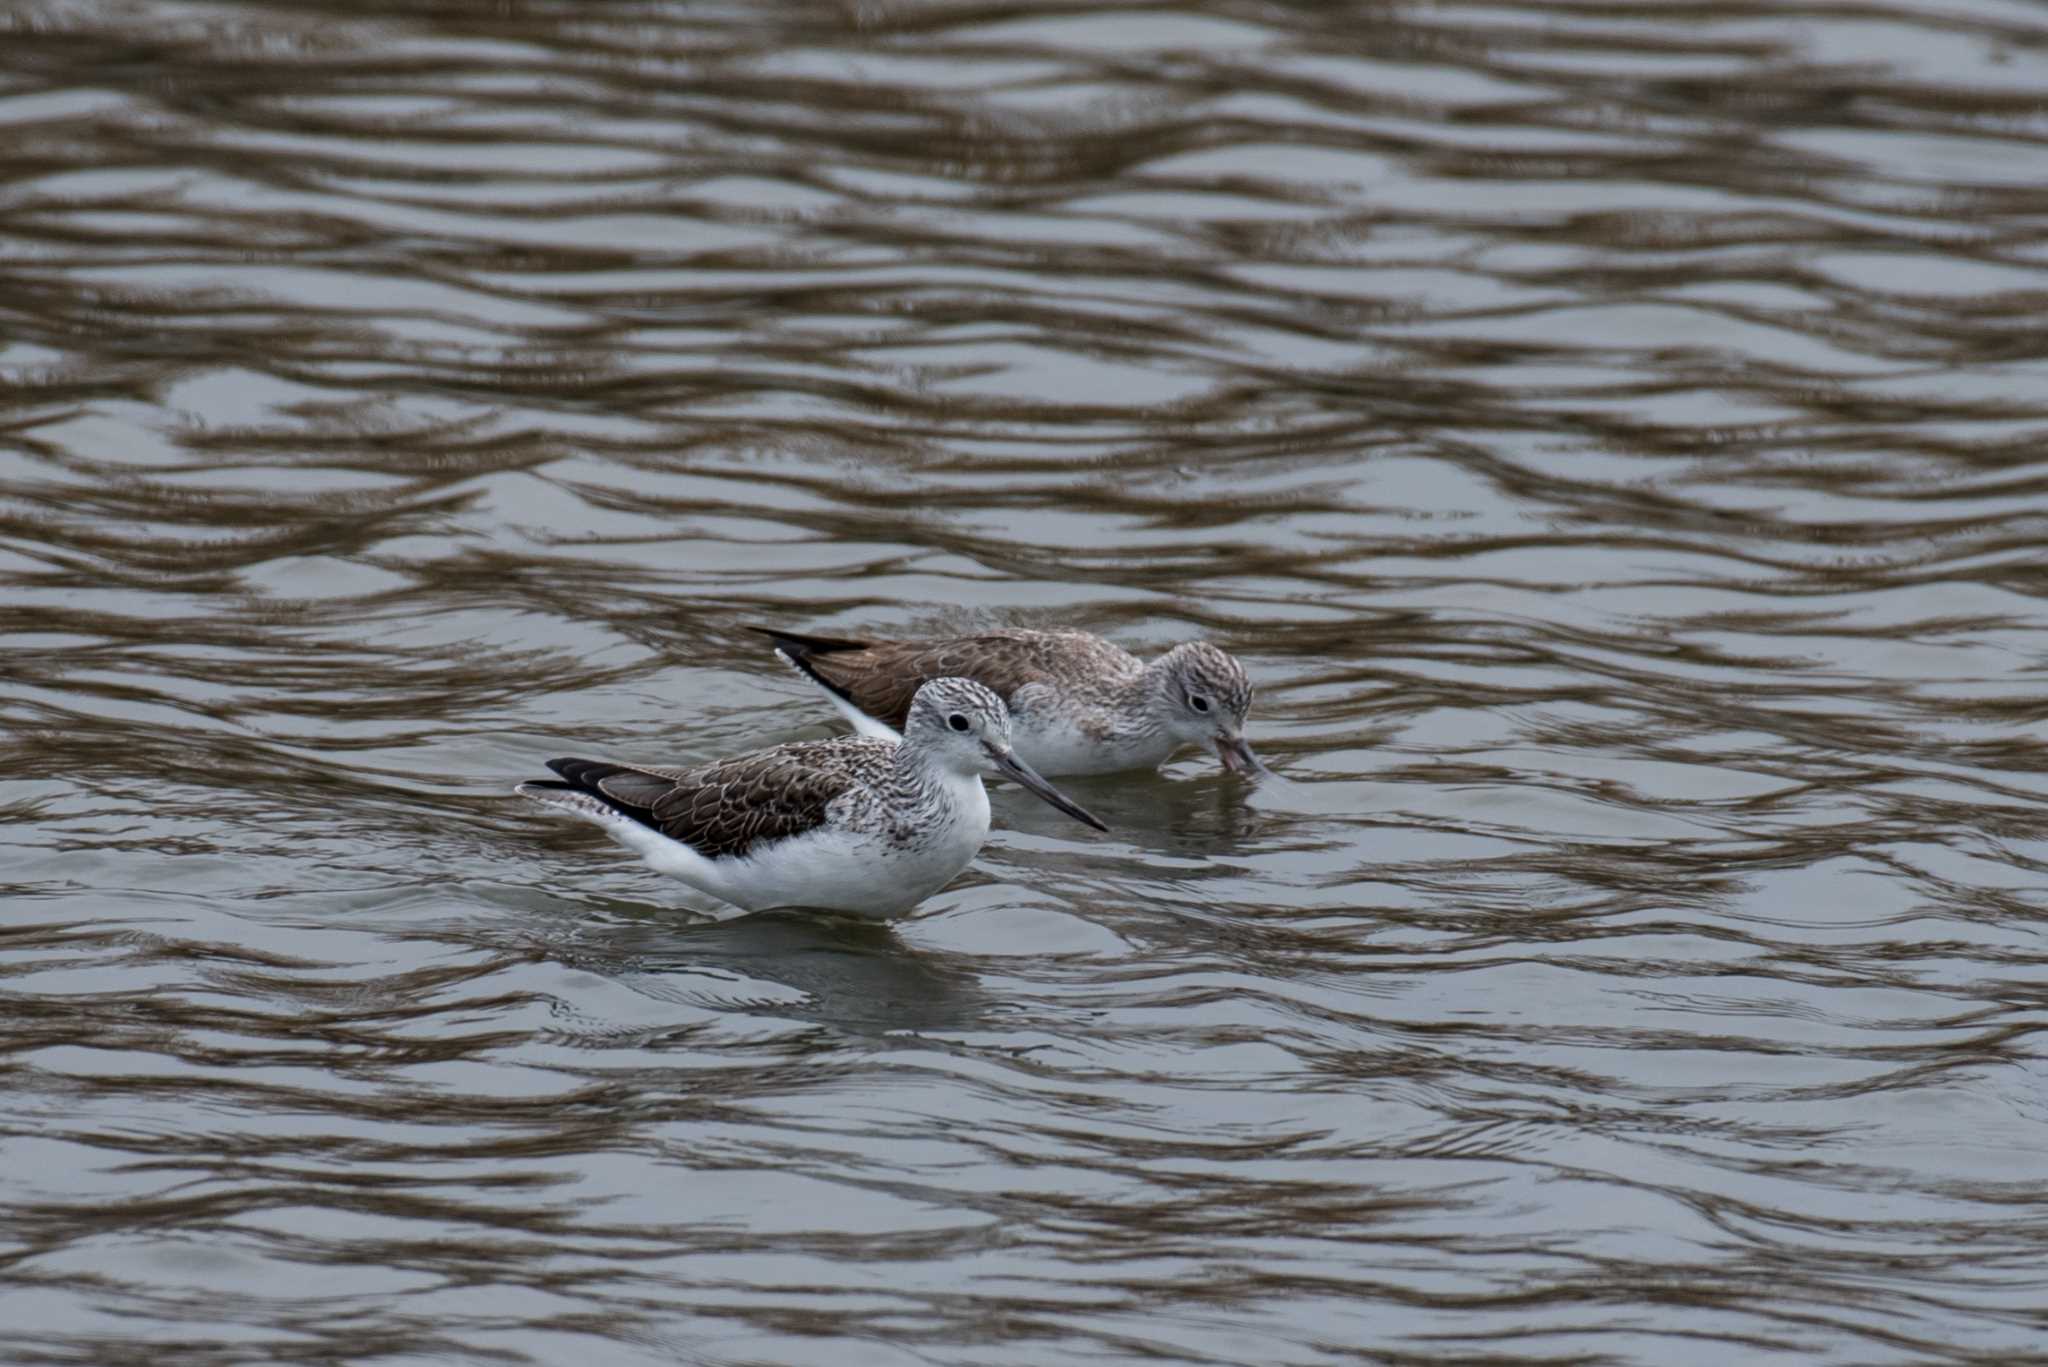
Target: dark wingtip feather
[587,776]
[581,773]
[799,645]
[798,650]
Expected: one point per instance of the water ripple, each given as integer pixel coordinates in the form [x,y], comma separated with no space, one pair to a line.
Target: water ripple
[1611,435]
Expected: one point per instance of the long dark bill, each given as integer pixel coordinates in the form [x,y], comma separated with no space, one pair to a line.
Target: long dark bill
[1028,776]
[1237,757]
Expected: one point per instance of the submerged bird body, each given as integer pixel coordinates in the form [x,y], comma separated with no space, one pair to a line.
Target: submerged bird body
[859,825]
[1078,704]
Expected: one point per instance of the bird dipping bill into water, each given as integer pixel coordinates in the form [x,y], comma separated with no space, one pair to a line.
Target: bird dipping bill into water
[1078,705]
[854,824]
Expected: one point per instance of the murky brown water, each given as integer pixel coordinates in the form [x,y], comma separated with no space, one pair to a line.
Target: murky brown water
[1613,435]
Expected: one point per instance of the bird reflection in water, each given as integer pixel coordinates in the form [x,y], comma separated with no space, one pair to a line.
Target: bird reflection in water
[855,975]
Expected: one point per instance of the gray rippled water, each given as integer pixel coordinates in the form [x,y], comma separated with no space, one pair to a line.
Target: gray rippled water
[1611,434]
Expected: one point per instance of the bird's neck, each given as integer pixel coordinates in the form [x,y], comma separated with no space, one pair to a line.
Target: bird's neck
[915,771]
[1139,702]
[930,792]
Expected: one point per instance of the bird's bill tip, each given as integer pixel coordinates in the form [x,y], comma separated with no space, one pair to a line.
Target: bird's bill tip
[1023,773]
[1237,757]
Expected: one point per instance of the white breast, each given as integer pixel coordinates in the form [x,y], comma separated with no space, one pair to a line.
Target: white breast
[862,869]
[1054,745]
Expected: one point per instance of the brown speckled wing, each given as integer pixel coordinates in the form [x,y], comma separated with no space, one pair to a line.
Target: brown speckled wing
[723,810]
[882,679]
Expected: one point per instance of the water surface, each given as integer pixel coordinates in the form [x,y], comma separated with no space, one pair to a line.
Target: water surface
[1611,435]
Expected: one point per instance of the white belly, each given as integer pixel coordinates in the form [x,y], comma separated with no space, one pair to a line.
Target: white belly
[1056,747]
[865,873]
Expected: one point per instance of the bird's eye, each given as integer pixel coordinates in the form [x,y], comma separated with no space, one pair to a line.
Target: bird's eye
[1198,702]
[957,722]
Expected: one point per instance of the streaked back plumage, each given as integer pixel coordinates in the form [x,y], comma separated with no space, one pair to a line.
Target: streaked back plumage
[1078,704]
[852,824]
